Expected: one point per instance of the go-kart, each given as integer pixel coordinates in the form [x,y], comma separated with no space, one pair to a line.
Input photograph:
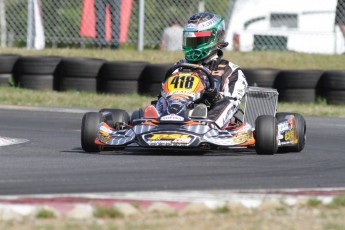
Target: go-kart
[183,123]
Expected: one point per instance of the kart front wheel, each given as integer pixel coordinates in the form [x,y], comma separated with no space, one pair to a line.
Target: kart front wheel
[265,134]
[89,129]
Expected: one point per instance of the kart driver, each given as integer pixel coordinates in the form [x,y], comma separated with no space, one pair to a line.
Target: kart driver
[203,39]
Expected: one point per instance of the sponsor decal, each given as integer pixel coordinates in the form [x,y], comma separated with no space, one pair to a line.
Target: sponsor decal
[104,130]
[104,139]
[182,92]
[284,126]
[168,139]
[240,139]
[189,34]
[209,23]
[191,26]
[289,136]
[168,136]
[286,143]
[172,117]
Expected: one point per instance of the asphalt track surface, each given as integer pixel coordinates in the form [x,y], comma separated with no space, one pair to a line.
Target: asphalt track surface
[53,162]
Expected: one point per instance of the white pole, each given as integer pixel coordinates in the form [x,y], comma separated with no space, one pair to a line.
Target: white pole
[141,25]
[3,24]
[31,32]
[201,6]
[39,40]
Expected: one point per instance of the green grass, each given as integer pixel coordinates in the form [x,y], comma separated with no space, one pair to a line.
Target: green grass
[222,210]
[314,202]
[27,97]
[45,214]
[338,202]
[107,212]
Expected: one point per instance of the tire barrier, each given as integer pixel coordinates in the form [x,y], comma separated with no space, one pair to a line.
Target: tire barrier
[261,77]
[78,74]
[120,77]
[152,77]
[35,72]
[298,85]
[333,86]
[101,76]
[7,62]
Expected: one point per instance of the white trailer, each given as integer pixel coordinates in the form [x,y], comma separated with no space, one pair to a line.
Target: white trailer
[295,25]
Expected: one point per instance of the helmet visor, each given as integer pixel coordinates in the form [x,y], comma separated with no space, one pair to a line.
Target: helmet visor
[194,39]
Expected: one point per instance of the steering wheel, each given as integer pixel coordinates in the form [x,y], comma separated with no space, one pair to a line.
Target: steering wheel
[192,67]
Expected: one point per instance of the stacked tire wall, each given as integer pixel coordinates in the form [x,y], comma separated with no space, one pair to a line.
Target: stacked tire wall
[78,74]
[112,77]
[298,85]
[333,86]
[120,77]
[7,62]
[35,72]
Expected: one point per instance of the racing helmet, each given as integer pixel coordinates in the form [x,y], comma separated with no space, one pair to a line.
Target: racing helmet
[203,34]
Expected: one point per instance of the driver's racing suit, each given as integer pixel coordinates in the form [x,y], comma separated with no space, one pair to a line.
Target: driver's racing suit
[230,87]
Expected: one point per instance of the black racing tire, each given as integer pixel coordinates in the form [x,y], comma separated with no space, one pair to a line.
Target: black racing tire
[301,132]
[117,86]
[298,79]
[335,97]
[89,129]
[333,80]
[129,71]
[297,95]
[261,77]
[7,62]
[150,82]
[78,84]
[137,114]
[150,89]
[114,116]
[155,73]
[80,67]
[36,65]
[39,82]
[265,134]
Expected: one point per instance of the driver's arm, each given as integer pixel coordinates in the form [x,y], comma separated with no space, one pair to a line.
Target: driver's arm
[236,86]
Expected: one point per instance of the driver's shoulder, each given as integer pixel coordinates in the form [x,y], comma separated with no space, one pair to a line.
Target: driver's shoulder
[229,64]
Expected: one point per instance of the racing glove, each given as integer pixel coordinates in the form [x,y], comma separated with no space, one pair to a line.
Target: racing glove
[210,96]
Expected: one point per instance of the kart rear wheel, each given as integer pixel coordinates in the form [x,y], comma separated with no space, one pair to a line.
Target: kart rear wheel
[115,116]
[89,129]
[301,132]
[266,128]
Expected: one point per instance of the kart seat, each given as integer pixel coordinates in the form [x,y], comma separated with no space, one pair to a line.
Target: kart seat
[199,111]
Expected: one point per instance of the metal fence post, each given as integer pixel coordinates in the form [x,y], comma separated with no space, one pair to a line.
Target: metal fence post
[141,25]
[3,24]
[31,32]
[201,6]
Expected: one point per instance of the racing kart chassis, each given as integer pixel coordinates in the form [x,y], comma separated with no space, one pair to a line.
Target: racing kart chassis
[257,126]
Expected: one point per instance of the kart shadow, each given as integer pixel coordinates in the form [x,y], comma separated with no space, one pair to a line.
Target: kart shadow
[170,152]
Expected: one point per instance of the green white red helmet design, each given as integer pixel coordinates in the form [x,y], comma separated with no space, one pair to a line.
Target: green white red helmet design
[202,34]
